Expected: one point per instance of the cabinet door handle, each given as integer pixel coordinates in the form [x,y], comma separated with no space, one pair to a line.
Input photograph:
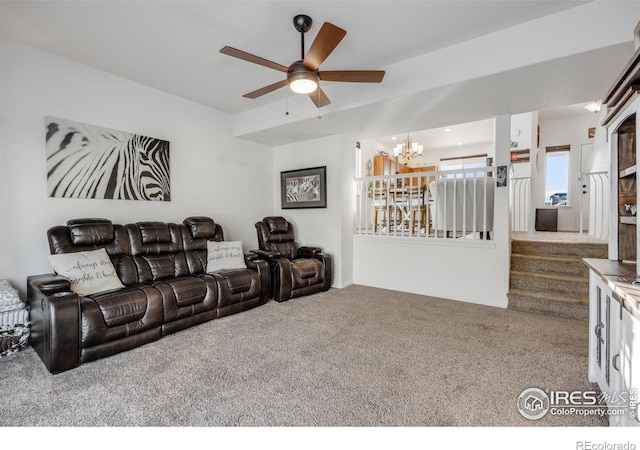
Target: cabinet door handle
[598,332]
[614,361]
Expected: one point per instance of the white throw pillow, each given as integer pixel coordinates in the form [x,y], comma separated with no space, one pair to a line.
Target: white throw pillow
[225,255]
[90,272]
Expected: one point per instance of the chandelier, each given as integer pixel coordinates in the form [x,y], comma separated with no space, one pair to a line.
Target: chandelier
[407,149]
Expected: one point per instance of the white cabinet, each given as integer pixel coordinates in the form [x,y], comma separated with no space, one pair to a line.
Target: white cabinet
[630,363]
[604,335]
[614,347]
[598,292]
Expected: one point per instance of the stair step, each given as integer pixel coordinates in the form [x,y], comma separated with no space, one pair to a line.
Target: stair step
[551,283]
[579,249]
[549,277]
[568,265]
[568,307]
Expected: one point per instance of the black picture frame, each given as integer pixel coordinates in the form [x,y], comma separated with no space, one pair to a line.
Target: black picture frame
[304,188]
[502,176]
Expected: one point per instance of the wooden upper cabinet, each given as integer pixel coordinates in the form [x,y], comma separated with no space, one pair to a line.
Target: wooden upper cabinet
[627,144]
[383,165]
[627,173]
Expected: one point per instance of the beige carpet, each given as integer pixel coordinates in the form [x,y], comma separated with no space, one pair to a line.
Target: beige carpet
[357,356]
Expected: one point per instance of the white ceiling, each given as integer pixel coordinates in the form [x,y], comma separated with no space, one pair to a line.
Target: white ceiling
[465,134]
[471,133]
[174,46]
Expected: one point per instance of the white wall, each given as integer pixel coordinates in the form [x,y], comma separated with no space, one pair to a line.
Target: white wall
[330,228]
[432,156]
[522,132]
[212,173]
[572,131]
[369,149]
[469,272]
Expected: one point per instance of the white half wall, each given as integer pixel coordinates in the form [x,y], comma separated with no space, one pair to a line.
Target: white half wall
[212,173]
[466,272]
[330,228]
[471,271]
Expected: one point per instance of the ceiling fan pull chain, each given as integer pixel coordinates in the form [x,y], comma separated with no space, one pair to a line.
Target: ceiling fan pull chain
[287,112]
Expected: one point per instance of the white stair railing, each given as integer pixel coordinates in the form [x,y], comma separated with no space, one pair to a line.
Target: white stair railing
[521,204]
[403,205]
[595,184]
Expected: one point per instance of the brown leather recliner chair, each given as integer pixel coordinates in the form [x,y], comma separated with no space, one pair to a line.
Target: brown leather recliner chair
[295,271]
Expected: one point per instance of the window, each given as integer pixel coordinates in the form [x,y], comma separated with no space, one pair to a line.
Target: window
[464,162]
[557,175]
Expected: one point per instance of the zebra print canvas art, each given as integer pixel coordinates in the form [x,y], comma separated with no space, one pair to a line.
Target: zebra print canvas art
[86,161]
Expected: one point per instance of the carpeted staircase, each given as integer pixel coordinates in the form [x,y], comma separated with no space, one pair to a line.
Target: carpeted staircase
[549,277]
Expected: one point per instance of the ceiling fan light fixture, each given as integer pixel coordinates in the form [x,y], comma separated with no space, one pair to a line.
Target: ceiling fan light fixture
[303,86]
[302,80]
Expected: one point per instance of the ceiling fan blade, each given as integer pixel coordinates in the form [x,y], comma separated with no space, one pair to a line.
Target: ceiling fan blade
[265,90]
[325,42]
[319,98]
[252,58]
[354,76]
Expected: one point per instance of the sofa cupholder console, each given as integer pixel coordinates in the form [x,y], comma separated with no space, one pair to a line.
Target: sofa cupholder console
[156,279]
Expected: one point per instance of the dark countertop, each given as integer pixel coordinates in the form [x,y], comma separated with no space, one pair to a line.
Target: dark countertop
[619,277]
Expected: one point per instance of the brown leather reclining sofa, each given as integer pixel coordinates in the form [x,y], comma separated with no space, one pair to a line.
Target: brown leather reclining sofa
[166,289]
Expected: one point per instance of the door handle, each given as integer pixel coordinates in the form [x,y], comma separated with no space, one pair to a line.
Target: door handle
[598,332]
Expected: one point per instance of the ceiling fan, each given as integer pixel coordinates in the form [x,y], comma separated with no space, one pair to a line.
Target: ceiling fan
[303,76]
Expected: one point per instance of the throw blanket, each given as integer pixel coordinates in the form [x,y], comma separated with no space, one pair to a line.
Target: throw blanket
[13,339]
[14,317]
[9,298]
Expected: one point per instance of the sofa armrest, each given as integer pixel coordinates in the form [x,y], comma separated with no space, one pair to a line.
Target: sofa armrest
[262,267]
[267,254]
[309,252]
[55,321]
[325,258]
[257,264]
[250,256]
[51,283]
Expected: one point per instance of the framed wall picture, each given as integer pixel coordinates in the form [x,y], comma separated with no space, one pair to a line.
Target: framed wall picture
[501,176]
[304,188]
